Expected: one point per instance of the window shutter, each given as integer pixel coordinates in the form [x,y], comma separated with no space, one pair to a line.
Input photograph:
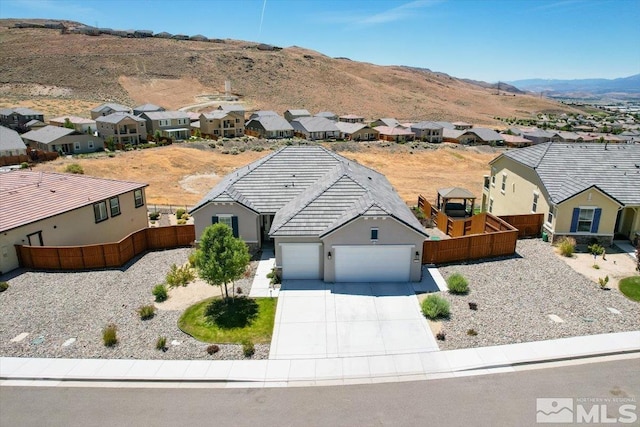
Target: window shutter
[234,226]
[596,220]
[574,220]
[214,220]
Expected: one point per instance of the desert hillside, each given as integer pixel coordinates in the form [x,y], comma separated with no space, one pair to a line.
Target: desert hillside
[66,73]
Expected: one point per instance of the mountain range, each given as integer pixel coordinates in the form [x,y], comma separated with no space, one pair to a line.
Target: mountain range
[624,85]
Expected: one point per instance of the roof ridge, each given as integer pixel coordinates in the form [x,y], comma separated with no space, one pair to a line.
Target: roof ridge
[543,155]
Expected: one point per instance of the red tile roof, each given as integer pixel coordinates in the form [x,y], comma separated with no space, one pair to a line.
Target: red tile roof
[27,196]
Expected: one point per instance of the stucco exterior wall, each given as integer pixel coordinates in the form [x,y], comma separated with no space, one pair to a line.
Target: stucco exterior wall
[358,232]
[73,228]
[248,221]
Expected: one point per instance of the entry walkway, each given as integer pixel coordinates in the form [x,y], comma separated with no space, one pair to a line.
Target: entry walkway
[627,247]
[322,371]
[261,286]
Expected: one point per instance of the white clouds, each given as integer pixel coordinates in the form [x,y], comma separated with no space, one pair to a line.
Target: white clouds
[398,13]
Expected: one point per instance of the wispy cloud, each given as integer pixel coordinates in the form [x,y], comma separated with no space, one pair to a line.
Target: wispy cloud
[398,13]
[562,4]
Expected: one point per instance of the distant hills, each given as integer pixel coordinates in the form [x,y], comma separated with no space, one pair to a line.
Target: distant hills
[584,87]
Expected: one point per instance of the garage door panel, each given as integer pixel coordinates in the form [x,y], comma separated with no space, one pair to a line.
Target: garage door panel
[300,261]
[384,263]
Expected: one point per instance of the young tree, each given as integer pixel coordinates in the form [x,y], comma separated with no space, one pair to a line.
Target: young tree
[68,124]
[221,258]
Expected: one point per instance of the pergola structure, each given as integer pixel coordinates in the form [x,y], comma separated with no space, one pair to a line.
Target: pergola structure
[464,208]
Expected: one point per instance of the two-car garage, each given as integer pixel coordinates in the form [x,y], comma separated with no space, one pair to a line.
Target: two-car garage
[352,263]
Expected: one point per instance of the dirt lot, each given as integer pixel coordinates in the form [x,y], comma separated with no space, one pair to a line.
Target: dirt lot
[181,174]
[615,265]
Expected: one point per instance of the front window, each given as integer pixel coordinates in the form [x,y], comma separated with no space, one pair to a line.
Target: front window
[504,183]
[226,220]
[550,215]
[585,219]
[114,206]
[100,211]
[534,207]
[139,199]
[76,146]
[374,234]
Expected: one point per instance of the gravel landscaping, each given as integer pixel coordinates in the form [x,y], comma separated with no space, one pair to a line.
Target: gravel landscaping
[53,307]
[515,297]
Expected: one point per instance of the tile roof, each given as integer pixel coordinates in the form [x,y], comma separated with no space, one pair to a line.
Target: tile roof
[26,111]
[10,140]
[218,114]
[426,125]
[311,190]
[113,106]
[451,133]
[73,119]
[271,123]
[568,169]
[163,115]
[314,124]
[298,112]
[388,121]
[47,134]
[446,125]
[349,128]
[118,117]
[485,134]
[262,113]
[27,196]
[327,115]
[387,130]
[148,107]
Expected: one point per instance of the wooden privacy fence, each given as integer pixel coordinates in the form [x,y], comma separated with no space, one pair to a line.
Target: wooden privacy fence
[105,255]
[529,225]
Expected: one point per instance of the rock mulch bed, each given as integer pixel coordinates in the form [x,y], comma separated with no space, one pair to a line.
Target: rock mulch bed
[515,297]
[55,306]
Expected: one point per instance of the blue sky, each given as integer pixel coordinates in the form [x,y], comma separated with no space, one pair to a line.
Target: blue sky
[484,40]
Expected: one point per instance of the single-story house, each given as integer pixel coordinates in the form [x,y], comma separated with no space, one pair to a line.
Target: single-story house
[539,136]
[17,117]
[357,131]
[80,124]
[586,191]
[290,115]
[147,108]
[462,125]
[52,209]
[385,121]
[315,128]
[477,136]
[328,217]
[34,124]
[396,134]
[123,128]
[515,140]
[169,124]
[351,118]
[269,126]
[60,139]
[109,108]
[328,115]
[10,143]
[427,131]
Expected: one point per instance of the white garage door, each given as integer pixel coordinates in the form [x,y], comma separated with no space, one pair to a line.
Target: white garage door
[385,263]
[300,260]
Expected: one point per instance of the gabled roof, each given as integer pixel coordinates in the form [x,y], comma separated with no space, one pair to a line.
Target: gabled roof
[456,193]
[351,116]
[388,121]
[302,113]
[349,128]
[26,111]
[10,140]
[262,113]
[148,107]
[217,114]
[118,117]
[327,115]
[314,124]
[387,130]
[113,106]
[485,134]
[452,133]
[446,125]
[426,125]
[568,169]
[34,122]
[164,115]
[47,134]
[27,196]
[73,119]
[271,123]
[231,108]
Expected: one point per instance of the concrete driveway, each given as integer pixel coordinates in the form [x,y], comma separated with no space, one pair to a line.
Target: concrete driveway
[316,319]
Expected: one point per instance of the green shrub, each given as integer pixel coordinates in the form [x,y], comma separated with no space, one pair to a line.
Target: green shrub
[4,286]
[147,311]
[596,266]
[109,335]
[179,276]
[161,344]
[181,221]
[154,216]
[567,246]
[248,349]
[457,284]
[180,212]
[273,275]
[595,249]
[435,307]
[74,168]
[24,165]
[160,292]
[192,258]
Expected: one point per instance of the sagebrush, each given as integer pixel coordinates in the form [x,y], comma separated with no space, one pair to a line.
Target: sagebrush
[180,276]
[435,307]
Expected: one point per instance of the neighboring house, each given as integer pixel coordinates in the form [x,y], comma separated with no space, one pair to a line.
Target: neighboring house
[234,110]
[328,115]
[169,124]
[446,125]
[481,136]
[221,124]
[51,209]
[515,140]
[564,136]
[451,135]
[351,118]
[10,143]
[357,131]
[539,136]
[16,118]
[329,217]
[462,125]
[34,124]
[315,128]
[123,128]
[262,113]
[427,131]
[109,108]
[270,127]
[147,108]
[385,121]
[56,139]
[290,115]
[395,134]
[586,191]
[80,124]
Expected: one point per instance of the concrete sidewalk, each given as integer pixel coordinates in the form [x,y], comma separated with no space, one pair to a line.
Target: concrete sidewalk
[261,286]
[326,371]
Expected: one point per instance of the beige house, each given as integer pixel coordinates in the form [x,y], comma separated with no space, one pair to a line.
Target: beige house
[80,124]
[586,191]
[123,128]
[65,210]
[169,124]
[328,218]
[60,139]
[221,124]
[108,109]
[357,131]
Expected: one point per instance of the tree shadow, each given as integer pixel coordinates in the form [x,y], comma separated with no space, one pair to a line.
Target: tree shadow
[228,313]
